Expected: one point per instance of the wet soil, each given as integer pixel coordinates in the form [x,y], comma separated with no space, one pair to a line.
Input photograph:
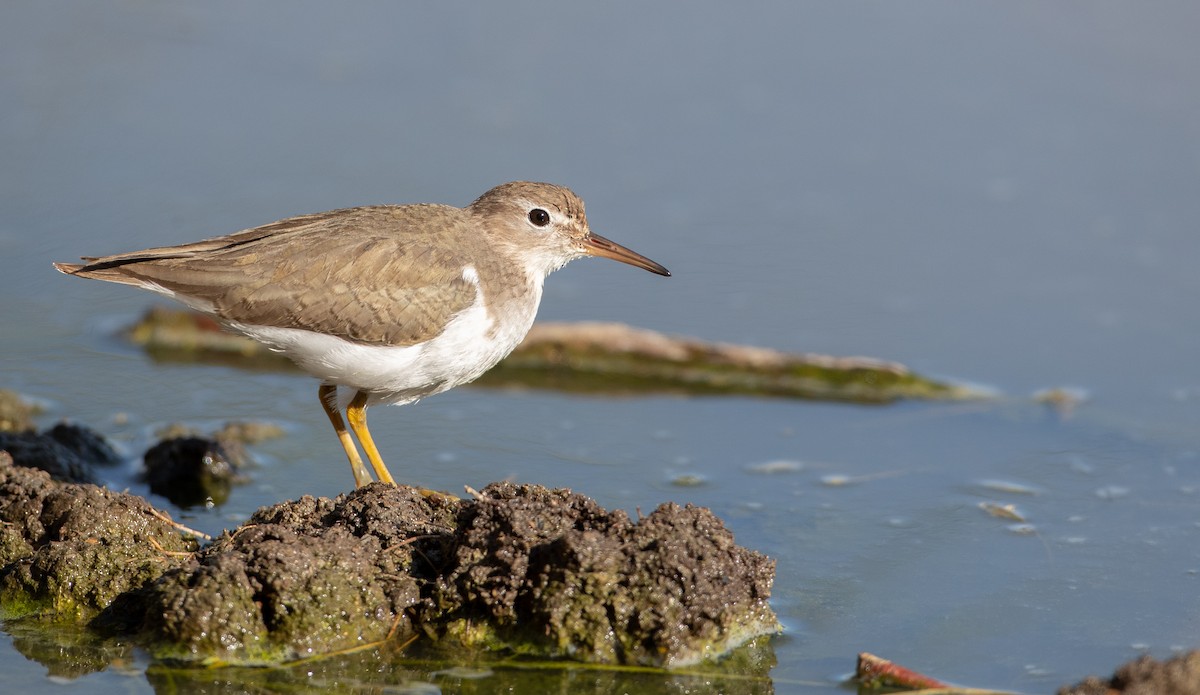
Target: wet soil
[69,551]
[520,570]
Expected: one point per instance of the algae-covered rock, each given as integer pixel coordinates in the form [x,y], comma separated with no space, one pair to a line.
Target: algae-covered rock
[80,546]
[558,576]
[300,578]
[521,569]
[603,358]
[16,414]
[608,357]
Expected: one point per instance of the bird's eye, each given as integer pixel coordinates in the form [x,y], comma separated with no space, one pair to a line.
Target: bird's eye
[539,217]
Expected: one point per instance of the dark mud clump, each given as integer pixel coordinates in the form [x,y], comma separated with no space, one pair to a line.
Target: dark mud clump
[68,551]
[192,468]
[313,576]
[557,575]
[521,569]
[66,451]
[191,471]
[1179,675]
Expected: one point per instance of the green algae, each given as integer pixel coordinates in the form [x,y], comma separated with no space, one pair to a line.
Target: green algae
[16,413]
[653,360]
[80,547]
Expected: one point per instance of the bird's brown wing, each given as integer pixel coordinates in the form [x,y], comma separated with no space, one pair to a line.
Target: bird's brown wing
[375,275]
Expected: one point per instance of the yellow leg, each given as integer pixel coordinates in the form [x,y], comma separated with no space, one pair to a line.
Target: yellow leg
[328,394]
[357,415]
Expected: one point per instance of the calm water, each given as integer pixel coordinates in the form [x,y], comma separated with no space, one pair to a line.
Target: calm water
[1005,193]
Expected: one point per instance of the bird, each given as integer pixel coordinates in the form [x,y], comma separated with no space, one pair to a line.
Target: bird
[384,304]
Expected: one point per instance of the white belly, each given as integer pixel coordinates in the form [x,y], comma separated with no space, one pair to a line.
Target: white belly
[472,343]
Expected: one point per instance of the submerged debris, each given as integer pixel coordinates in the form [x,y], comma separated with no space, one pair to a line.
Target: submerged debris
[1002,511]
[875,672]
[1062,400]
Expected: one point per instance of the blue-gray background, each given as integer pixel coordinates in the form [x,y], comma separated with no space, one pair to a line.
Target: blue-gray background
[1000,192]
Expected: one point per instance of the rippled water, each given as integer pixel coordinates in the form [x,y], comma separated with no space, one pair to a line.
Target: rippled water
[997,192]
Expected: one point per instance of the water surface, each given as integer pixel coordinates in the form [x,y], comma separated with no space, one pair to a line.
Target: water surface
[998,192]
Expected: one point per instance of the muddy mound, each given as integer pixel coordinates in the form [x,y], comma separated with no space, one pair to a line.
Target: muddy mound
[520,569]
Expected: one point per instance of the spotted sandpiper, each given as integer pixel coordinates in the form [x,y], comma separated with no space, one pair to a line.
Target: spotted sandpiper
[383,304]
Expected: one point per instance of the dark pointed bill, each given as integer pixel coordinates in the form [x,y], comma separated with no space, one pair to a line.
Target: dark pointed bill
[597,245]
